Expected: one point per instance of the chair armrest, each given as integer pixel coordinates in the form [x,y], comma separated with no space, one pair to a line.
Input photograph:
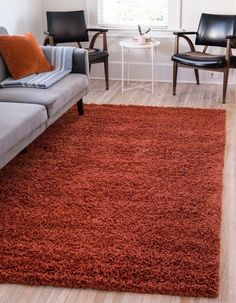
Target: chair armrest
[102,30]
[231,37]
[49,39]
[184,33]
[80,62]
[186,38]
[94,38]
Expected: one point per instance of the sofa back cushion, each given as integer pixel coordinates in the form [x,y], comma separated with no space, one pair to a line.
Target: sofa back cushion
[3,69]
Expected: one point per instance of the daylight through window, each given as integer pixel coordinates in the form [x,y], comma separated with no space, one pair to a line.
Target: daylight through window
[129,13]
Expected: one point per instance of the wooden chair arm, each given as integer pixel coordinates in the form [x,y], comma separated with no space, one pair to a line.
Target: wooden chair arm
[48,39]
[94,38]
[187,39]
[102,30]
[232,39]
[184,33]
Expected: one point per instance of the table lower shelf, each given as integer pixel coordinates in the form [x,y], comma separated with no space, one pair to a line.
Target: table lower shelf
[135,86]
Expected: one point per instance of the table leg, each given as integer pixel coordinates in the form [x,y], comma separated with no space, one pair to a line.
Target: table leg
[128,67]
[155,68]
[122,69]
[152,50]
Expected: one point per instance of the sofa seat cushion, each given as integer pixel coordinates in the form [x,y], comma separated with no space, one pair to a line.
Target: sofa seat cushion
[17,121]
[53,98]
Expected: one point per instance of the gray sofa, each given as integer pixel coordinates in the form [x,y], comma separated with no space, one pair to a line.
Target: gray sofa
[26,112]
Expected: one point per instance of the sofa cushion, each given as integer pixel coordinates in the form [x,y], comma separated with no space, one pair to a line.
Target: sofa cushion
[17,121]
[23,55]
[54,97]
[3,70]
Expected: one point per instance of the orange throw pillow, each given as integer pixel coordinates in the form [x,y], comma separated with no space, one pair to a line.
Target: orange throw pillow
[23,55]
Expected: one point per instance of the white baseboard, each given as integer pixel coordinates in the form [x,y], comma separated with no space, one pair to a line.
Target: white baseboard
[141,71]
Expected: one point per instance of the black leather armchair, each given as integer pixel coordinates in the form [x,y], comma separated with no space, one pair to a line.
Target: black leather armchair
[213,30]
[67,26]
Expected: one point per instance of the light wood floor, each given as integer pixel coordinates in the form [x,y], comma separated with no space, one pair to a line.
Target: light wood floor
[189,95]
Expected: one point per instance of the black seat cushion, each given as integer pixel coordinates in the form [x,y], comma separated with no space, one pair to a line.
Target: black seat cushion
[96,54]
[199,59]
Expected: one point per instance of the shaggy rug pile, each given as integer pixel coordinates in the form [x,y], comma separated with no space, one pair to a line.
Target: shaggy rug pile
[124,198]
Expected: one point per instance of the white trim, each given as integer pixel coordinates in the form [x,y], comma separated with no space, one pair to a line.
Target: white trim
[155,34]
[174,14]
[140,71]
[164,81]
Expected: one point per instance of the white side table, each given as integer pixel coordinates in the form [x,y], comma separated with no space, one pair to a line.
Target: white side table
[129,44]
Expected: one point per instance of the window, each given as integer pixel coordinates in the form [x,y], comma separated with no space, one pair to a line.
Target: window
[157,14]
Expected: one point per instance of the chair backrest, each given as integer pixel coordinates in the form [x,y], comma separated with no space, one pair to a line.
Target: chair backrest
[67,26]
[213,29]
[3,69]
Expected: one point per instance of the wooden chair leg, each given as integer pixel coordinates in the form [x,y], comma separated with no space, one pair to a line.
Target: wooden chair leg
[225,83]
[80,107]
[197,75]
[175,74]
[46,41]
[90,67]
[106,69]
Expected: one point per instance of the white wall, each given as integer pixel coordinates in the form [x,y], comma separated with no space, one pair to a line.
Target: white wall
[191,10]
[63,4]
[20,16]
[140,67]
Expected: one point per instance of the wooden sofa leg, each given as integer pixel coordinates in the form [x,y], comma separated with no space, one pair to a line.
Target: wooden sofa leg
[197,75]
[80,107]
[24,151]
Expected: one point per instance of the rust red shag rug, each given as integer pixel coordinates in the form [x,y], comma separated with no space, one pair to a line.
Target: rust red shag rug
[125,198]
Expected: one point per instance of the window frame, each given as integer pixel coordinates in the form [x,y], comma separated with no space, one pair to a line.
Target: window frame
[174,18]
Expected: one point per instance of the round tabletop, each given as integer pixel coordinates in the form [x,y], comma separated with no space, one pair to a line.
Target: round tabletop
[135,44]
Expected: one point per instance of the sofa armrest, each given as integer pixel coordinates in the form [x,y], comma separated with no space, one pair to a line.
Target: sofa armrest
[80,63]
